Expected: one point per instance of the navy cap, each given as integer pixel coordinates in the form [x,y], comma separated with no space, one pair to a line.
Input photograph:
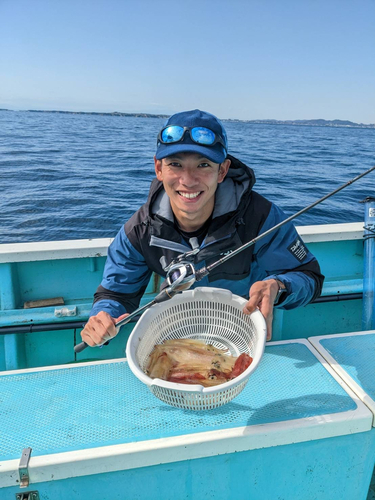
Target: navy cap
[195,118]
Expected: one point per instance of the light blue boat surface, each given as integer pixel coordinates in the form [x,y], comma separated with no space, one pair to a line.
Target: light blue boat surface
[99,418]
[352,356]
[74,404]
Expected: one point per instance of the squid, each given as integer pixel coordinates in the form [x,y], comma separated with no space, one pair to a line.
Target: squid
[187,361]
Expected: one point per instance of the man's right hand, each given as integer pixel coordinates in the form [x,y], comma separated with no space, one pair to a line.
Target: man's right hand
[100,328]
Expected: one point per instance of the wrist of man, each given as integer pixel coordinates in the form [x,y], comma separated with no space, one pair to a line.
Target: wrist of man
[280,293]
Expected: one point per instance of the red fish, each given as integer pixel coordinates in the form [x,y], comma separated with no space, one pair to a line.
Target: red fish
[242,363]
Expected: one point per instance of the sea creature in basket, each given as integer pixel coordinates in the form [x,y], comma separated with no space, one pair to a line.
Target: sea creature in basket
[187,361]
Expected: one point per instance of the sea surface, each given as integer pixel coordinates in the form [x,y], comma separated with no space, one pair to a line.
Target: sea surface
[74,176]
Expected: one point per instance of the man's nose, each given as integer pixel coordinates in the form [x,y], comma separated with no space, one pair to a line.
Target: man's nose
[189,177]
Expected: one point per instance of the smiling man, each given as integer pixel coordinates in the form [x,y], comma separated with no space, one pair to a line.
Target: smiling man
[203,196]
[190,181]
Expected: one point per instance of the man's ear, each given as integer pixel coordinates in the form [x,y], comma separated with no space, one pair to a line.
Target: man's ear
[224,167]
[158,169]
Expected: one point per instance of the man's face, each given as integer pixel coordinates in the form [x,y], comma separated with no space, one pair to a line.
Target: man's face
[190,181]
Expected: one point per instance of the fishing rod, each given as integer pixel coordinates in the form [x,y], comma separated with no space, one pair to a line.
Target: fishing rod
[201,273]
[184,280]
[181,274]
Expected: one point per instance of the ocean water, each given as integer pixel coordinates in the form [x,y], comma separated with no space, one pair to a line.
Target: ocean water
[72,176]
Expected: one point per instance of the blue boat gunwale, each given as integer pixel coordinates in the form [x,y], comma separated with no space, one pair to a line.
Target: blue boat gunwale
[71,252]
[72,249]
[72,269]
[56,466]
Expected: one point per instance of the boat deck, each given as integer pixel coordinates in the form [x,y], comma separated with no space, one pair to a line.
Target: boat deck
[103,404]
[97,429]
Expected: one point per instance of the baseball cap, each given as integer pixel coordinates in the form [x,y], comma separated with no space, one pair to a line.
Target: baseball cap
[188,140]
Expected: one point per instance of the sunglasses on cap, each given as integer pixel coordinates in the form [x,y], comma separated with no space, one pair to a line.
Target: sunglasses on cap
[199,135]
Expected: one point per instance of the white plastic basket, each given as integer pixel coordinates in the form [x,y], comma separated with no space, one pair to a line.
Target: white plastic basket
[212,315]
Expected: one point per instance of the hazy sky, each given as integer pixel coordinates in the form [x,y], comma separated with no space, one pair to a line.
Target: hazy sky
[254,59]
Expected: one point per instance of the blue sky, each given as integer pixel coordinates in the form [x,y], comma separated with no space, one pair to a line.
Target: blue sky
[254,59]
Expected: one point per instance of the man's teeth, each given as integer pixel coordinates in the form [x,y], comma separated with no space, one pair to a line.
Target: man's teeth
[190,195]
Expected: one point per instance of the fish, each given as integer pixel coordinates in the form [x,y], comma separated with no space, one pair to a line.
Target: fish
[188,361]
[162,366]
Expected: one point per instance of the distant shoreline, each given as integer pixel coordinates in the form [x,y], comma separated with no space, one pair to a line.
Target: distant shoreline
[311,123]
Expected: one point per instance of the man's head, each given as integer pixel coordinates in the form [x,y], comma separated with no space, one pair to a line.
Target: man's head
[191,162]
[193,132]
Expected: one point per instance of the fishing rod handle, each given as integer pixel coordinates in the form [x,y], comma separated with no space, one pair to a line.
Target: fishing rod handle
[80,347]
[164,295]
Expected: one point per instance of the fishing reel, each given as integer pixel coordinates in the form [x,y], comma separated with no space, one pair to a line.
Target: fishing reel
[181,273]
[180,276]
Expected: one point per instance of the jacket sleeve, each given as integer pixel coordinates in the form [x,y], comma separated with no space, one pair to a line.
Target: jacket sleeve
[283,255]
[125,279]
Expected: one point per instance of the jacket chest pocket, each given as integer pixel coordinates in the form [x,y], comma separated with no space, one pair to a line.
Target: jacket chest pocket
[235,268]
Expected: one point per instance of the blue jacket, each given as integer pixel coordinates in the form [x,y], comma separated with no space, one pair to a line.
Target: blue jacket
[240,214]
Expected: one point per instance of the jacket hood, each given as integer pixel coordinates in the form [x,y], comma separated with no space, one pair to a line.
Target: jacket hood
[239,180]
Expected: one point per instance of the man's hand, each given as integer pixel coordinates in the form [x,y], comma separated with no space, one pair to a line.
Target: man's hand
[262,296]
[100,328]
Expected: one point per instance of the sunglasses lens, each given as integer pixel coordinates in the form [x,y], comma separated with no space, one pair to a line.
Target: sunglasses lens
[202,135]
[172,134]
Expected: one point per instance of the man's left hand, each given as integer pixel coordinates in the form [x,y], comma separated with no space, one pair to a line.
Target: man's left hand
[262,296]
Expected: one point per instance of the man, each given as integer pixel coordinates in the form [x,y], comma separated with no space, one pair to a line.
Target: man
[203,195]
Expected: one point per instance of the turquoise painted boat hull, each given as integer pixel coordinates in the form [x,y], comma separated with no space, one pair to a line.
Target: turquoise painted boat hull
[303,427]
[290,473]
[73,270]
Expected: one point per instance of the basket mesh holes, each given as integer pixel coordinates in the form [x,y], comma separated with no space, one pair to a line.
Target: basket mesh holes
[197,401]
[216,323]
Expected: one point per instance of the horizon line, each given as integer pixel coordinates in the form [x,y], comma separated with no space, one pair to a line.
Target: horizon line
[166,115]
